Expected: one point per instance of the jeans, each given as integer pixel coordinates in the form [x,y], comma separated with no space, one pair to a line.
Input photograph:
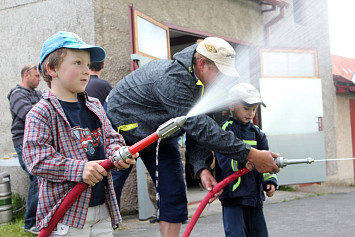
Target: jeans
[32,199]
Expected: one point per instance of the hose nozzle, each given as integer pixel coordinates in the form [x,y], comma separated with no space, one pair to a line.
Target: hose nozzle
[171,126]
[282,162]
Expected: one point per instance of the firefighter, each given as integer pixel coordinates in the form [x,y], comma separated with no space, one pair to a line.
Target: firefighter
[163,89]
[242,200]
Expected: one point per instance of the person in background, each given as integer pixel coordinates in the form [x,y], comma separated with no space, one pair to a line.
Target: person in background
[242,200]
[67,136]
[165,89]
[22,98]
[100,89]
[96,86]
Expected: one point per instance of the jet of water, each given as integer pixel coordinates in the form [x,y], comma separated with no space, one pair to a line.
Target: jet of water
[215,96]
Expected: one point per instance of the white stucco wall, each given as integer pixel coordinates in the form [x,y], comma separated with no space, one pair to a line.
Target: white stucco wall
[25,25]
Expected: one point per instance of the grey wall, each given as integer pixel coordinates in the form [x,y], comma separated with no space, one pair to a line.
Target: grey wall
[25,25]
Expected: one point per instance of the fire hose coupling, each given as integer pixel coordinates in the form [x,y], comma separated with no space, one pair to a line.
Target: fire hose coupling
[282,162]
[171,126]
[121,154]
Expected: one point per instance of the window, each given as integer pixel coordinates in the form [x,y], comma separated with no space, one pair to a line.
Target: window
[289,63]
[151,37]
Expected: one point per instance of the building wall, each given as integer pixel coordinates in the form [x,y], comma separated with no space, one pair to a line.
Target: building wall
[313,35]
[112,24]
[343,140]
[25,25]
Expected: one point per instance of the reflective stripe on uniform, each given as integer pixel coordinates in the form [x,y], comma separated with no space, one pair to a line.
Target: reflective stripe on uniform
[127,127]
[251,142]
[199,83]
[225,125]
[234,165]
[269,176]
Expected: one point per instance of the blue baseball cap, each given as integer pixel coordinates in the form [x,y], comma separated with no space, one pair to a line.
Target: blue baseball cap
[70,40]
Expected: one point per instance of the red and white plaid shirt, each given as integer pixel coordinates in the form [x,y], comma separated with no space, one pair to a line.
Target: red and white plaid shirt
[53,153]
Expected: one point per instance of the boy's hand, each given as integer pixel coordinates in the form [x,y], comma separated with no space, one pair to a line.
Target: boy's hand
[208,182]
[130,161]
[271,189]
[125,165]
[93,172]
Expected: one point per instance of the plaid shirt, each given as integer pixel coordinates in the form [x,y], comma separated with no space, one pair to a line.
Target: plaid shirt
[52,152]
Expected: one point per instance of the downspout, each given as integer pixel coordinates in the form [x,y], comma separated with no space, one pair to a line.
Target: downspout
[134,65]
[283,5]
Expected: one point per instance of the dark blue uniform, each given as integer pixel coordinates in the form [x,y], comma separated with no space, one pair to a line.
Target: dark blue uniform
[242,200]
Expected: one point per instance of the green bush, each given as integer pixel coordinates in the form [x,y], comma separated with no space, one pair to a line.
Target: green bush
[18,206]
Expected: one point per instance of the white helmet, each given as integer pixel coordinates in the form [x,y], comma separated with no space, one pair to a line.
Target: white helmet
[245,92]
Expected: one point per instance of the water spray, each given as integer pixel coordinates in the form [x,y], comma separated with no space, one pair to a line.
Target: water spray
[123,153]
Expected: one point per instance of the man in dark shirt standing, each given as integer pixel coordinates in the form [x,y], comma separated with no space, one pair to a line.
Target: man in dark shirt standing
[98,87]
[22,98]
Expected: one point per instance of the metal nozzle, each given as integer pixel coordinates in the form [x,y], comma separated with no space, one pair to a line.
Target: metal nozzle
[170,126]
[121,154]
[283,162]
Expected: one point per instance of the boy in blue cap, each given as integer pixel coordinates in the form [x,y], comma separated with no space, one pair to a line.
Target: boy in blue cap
[242,200]
[67,136]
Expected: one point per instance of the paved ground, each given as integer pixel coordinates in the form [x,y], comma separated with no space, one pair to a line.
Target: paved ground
[317,210]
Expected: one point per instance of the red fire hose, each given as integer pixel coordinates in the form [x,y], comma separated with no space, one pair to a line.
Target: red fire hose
[210,194]
[81,187]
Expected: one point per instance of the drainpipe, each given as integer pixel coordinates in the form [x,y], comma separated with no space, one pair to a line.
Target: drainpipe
[134,65]
[282,5]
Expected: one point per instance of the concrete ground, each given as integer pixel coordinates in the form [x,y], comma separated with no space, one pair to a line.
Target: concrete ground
[317,210]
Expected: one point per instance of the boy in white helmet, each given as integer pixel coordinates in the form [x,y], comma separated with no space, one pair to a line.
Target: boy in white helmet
[242,200]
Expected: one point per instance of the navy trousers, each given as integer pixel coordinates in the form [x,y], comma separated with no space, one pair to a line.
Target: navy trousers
[171,189]
[244,221]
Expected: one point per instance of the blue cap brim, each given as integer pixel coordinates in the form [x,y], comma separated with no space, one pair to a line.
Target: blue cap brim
[97,54]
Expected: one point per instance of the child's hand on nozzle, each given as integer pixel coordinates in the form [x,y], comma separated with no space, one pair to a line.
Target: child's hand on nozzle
[129,161]
[270,190]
